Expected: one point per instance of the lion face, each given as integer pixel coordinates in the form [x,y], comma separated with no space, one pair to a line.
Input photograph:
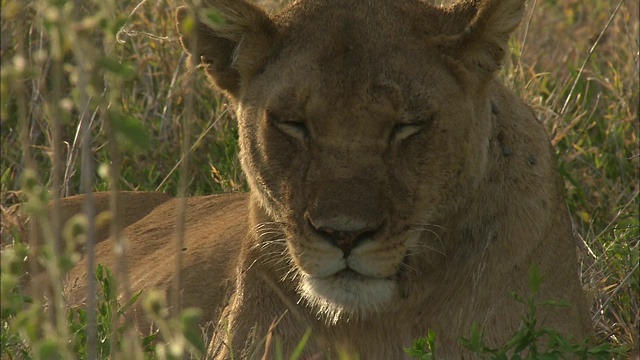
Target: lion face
[356,138]
[354,173]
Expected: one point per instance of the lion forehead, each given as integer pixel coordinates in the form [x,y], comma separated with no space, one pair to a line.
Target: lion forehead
[345,26]
[386,88]
[344,47]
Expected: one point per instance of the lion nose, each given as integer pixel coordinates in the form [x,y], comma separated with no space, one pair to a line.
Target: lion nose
[346,239]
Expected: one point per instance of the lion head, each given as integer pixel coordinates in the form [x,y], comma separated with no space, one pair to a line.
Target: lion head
[361,123]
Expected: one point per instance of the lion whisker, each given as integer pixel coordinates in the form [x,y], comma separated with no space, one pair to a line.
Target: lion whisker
[270,258]
[409,268]
[425,248]
[425,226]
[265,223]
[279,233]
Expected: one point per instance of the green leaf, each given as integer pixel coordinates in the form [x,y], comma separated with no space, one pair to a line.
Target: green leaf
[518,298]
[476,342]
[187,25]
[534,278]
[49,349]
[519,340]
[213,18]
[99,272]
[6,175]
[128,130]
[297,352]
[124,70]
[106,281]
[66,263]
[117,24]
[189,318]
[607,349]
[423,348]
[147,341]
[131,301]
[556,303]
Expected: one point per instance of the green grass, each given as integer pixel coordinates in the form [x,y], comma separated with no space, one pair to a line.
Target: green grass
[531,341]
[575,62]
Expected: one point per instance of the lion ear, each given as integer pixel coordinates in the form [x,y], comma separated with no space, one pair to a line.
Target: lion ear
[230,38]
[476,32]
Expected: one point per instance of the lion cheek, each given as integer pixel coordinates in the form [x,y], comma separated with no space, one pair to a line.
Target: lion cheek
[383,263]
[317,259]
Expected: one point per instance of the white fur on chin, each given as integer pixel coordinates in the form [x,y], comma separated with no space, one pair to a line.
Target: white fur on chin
[346,295]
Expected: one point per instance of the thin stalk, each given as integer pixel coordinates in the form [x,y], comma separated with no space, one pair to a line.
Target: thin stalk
[193,146]
[586,59]
[518,69]
[83,54]
[176,300]
[55,125]
[25,140]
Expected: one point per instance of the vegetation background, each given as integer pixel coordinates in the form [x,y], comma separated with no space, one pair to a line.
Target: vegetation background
[114,70]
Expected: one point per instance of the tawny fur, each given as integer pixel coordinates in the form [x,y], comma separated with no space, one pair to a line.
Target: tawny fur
[380,119]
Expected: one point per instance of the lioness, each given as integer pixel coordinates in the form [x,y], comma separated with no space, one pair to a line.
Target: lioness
[396,186]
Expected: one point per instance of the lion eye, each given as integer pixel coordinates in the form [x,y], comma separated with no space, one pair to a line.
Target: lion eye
[403,131]
[294,129]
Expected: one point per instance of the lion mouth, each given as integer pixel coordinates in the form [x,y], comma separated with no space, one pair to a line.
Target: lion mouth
[363,282]
[347,293]
[349,273]
[349,276]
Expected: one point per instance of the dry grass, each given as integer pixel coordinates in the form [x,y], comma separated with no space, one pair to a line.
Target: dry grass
[579,70]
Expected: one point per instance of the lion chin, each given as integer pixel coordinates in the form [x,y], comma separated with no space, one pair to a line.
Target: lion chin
[346,295]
